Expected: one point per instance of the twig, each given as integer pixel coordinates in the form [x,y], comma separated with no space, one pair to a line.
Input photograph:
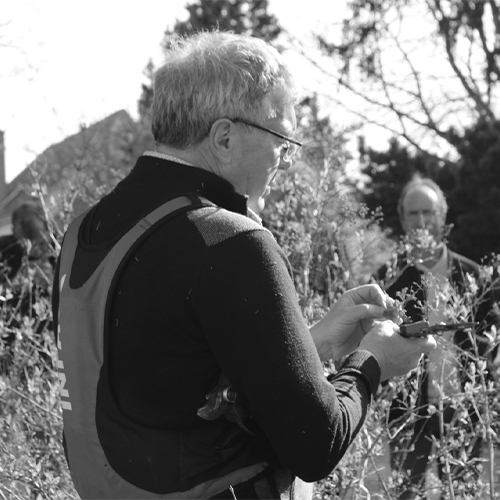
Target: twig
[11,492]
[34,403]
[486,419]
[444,448]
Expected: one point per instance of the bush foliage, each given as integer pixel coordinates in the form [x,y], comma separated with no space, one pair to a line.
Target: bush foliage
[333,244]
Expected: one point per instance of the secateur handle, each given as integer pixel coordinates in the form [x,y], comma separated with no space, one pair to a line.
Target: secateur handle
[422,328]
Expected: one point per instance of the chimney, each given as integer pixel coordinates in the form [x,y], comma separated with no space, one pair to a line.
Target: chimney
[3,186]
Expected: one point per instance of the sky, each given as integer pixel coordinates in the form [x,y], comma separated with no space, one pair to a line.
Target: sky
[64,63]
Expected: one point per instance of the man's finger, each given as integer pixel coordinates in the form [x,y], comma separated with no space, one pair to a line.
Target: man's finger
[364,311]
[371,294]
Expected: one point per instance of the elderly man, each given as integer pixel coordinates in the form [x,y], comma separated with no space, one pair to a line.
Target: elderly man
[187,368]
[430,275]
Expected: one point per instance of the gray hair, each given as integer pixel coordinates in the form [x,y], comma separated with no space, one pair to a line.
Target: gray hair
[214,75]
[418,181]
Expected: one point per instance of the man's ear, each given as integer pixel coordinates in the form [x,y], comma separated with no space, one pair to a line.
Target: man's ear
[222,139]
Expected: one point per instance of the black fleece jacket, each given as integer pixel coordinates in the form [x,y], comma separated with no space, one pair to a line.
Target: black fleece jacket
[199,297]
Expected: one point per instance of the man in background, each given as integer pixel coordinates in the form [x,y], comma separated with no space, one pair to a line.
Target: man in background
[28,239]
[427,277]
[26,273]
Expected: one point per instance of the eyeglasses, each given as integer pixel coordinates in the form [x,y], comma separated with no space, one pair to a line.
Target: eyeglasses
[291,146]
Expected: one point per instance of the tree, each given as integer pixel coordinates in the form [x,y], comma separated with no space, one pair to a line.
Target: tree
[473,203]
[425,70]
[249,17]
[428,71]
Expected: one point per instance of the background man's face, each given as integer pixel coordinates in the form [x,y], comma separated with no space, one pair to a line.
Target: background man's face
[421,211]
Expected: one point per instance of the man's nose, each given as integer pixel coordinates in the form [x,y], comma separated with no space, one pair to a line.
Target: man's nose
[422,221]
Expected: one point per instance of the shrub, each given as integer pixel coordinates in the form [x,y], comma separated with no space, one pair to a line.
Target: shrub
[333,244]
[32,462]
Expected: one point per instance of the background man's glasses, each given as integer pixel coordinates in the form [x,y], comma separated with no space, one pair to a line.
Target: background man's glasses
[291,146]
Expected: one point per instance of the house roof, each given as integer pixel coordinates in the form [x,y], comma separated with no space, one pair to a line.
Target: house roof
[71,150]
[100,148]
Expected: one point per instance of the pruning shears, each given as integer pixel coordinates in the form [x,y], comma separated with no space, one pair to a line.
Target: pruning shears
[423,328]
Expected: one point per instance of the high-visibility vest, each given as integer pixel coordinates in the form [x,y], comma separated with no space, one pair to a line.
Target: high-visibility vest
[82,315]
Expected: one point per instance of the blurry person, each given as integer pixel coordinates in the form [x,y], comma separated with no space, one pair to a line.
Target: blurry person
[430,275]
[28,239]
[26,274]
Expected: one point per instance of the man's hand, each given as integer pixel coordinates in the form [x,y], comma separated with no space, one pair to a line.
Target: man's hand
[351,317]
[396,355]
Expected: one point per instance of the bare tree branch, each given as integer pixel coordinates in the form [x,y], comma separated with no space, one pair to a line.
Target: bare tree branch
[388,107]
[367,120]
[495,10]
[400,116]
[412,99]
[444,23]
[419,94]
